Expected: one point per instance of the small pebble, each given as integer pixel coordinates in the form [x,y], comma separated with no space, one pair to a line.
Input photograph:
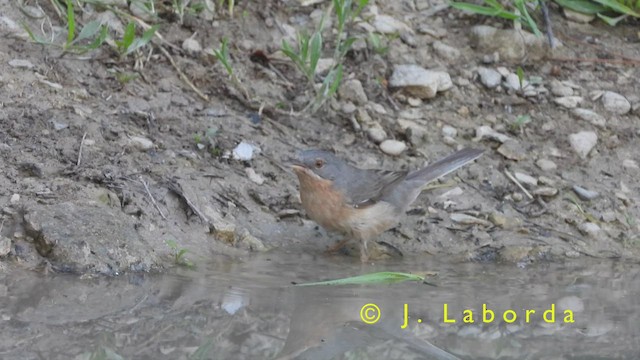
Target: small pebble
[191,46]
[524,179]
[569,102]
[545,191]
[468,220]
[589,228]
[253,176]
[376,134]
[141,143]
[244,151]
[15,198]
[512,150]
[590,116]
[583,142]
[546,165]
[449,131]
[512,81]
[489,77]
[615,103]
[629,164]
[20,63]
[585,194]
[393,147]
[487,132]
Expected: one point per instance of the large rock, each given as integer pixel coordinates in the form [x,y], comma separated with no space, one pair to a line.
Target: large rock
[85,238]
[512,45]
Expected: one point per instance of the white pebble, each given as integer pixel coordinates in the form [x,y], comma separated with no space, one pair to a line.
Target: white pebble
[244,151]
[569,102]
[583,142]
[546,165]
[615,103]
[393,147]
[449,131]
[141,143]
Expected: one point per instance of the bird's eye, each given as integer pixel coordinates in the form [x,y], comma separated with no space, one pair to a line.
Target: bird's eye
[319,163]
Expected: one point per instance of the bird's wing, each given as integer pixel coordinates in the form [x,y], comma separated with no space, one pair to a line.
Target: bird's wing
[370,186]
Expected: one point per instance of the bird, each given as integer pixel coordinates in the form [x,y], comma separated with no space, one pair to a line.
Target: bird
[360,203]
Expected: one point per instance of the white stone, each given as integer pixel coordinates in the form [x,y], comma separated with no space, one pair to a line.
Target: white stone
[141,143]
[191,46]
[512,81]
[420,82]
[582,142]
[253,176]
[449,131]
[590,116]
[244,151]
[388,25]
[589,228]
[446,51]
[489,77]
[525,179]
[487,132]
[393,147]
[546,165]
[615,103]
[569,102]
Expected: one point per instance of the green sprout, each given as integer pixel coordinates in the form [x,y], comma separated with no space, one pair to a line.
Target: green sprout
[179,257]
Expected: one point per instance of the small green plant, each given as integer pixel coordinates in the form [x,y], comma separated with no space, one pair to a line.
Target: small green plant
[309,50]
[307,55]
[203,352]
[130,43]
[230,5]
[93,31]
[197,138]
[520,122]
[179,257]
[222,54]
[376,42]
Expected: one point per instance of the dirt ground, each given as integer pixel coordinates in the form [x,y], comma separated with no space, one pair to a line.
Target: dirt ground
[98,173]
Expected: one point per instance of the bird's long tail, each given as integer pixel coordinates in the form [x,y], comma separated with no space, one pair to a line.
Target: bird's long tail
[444,166]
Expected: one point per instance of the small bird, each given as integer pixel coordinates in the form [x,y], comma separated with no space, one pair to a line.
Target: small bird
[362,203]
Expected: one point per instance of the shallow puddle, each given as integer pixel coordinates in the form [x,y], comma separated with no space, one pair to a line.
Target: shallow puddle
[230,309]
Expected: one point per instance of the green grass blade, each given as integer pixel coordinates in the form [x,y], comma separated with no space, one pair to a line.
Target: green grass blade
[89,30]
[144,40]
[520,74]
[610,20]
[34,37]
[483,10]
[582,6]
[315,53]
[361,5]
[71,23]
[129,36]
[618,7]
[386,277]
[335,83]
[525,13]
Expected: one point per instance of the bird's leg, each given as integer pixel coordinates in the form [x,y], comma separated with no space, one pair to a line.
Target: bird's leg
[364,251]
[338,246]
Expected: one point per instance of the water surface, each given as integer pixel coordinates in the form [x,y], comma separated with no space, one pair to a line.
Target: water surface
[249,309]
